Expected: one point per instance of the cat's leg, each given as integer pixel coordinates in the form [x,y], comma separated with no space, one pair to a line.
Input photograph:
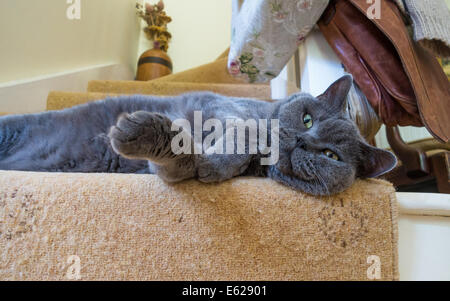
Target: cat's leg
[220,167]
[217,167]
[148,136]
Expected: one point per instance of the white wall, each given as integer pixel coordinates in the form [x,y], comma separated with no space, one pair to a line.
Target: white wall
[38,39]
[30,96]
[201,31]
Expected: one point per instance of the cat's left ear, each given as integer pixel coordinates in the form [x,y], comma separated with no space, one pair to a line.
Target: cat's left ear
[374,162]
[336,94]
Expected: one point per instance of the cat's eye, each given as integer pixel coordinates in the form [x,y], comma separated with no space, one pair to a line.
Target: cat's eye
[331,155]
[307,121]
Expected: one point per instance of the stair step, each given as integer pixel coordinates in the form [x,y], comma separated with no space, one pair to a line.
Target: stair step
[58,100]
[214,72]
[175,88]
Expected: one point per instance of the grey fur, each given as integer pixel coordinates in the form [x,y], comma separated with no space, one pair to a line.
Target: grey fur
[131,134]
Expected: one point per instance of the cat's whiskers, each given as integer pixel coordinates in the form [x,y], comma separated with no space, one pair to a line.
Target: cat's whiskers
[324,183]
[319,178]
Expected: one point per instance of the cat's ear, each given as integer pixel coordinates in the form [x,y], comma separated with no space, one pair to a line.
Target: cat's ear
[336,94]
[374,162]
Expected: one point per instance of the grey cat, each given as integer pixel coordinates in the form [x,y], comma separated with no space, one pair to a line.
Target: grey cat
[320,149]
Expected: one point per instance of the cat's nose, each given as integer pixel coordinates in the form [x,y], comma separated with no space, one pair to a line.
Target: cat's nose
[301,143]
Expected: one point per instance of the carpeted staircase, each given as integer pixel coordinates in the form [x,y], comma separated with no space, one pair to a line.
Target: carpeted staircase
[209,77]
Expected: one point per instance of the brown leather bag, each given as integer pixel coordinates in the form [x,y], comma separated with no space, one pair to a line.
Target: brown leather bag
[403,82]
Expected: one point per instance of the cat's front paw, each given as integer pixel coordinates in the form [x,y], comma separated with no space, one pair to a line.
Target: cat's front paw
[142,135]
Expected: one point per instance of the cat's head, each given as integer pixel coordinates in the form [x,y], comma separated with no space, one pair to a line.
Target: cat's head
[321,150]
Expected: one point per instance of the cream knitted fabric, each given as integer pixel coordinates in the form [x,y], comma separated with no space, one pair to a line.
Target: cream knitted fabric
[431,23]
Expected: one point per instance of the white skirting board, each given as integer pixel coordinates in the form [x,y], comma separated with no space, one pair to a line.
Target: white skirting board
[424,204]
[424,236]
[30,95]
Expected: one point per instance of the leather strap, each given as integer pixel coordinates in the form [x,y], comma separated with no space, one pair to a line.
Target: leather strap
[370,57]
[431,86]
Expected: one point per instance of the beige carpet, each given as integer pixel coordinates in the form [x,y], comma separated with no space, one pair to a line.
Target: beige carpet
[174,88]
[58,100]
[214,72]
[135,227]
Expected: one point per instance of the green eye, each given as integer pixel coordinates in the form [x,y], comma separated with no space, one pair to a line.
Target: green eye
[331,155]
[307,121]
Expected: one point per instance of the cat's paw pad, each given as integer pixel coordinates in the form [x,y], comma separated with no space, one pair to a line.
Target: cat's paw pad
[137,135]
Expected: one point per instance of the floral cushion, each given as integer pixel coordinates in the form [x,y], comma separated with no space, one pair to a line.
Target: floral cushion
[266,33]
